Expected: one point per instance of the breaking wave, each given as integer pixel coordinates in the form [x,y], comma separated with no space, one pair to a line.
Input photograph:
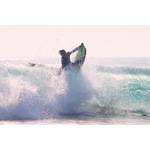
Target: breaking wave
[96,91]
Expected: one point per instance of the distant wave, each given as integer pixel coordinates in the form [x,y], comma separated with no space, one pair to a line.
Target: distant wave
[125,70]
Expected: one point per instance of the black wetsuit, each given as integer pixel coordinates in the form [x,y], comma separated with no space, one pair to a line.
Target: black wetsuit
[66,60]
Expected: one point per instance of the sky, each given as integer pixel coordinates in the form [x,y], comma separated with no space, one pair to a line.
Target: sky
[107,28]
[100,40]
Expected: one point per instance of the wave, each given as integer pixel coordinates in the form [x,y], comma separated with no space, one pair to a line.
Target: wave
[97,91]
[125,70]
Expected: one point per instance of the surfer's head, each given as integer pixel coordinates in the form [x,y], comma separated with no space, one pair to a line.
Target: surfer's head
[62,52]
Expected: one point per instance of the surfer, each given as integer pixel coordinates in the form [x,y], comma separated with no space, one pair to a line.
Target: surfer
[65,57]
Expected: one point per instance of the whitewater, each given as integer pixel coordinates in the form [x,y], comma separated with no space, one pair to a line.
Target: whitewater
[105,91]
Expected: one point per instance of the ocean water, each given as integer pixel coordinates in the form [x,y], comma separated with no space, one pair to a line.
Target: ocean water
[105,91]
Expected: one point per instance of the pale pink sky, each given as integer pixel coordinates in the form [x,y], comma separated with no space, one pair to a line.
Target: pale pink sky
[100,41]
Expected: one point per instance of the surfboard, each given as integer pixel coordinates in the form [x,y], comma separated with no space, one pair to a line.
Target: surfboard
[80,57]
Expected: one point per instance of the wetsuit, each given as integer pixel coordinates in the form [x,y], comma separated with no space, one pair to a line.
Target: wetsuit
[65,61]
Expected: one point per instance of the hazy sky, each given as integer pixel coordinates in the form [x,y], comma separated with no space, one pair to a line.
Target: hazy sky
[100,41]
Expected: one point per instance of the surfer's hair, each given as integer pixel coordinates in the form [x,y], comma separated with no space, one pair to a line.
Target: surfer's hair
[62,51]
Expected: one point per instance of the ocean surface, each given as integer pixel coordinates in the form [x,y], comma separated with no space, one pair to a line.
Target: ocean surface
[105,91]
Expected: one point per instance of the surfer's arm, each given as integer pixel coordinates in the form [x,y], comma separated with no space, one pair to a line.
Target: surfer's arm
[76,49]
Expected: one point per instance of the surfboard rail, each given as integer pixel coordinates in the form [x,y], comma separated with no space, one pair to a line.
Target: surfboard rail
[80,56]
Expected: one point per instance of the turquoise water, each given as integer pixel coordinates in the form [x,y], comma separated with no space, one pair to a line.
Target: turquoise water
[106,88]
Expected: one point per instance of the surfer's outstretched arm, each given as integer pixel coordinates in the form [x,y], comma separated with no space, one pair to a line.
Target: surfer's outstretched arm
[76,49]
